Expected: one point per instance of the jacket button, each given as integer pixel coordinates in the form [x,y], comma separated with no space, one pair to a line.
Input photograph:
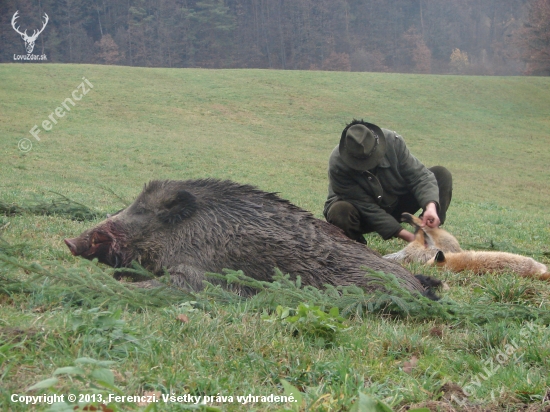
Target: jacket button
[370,178]
[379,197]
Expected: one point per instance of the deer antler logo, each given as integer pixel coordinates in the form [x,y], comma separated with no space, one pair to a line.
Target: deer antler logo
[29,40]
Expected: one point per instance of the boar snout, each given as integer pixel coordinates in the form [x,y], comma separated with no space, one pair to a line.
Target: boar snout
[76,246]
[97,244]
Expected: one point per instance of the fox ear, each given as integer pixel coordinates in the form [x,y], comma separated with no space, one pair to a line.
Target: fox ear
[407,217]
[411,220]
[440,257]
[181,206]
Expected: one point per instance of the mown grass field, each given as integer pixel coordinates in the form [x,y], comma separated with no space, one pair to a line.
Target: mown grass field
[275,130]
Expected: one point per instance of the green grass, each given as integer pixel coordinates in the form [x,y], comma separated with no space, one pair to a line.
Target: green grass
[273,129]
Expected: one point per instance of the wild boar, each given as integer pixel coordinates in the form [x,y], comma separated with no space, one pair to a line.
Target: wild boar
[193,227]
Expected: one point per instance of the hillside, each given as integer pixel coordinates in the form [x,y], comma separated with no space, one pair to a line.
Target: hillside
[275,130]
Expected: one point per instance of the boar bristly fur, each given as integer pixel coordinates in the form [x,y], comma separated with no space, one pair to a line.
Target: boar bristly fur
[193,227]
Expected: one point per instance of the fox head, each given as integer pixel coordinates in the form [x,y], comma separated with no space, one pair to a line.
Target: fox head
[427,242]
[432,236]
[421,233]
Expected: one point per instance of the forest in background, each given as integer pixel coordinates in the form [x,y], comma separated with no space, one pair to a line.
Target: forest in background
[482,37]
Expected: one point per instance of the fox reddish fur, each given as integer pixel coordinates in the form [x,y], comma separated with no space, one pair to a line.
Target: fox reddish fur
[490,262]
[435,246]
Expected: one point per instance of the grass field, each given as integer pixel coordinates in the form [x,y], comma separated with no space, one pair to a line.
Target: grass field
[275,130]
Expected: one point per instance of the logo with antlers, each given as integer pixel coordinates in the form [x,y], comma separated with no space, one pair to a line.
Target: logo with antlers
[29,40]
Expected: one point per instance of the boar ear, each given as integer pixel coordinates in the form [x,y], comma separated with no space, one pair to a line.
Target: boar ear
[440,257]
[181,206]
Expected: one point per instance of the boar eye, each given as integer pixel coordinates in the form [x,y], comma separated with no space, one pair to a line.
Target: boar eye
[181,206]
[139,208]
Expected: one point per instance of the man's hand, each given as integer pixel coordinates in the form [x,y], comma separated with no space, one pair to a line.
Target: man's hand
[430,217]
[405,235]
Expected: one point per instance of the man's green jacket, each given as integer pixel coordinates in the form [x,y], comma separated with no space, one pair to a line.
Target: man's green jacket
[375,193]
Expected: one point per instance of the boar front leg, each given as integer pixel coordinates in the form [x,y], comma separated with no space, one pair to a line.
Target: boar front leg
[181,276]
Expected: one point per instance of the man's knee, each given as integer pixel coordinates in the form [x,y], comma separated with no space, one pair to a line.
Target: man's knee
[345,216]
[445,183]
[343,213]
[443,176]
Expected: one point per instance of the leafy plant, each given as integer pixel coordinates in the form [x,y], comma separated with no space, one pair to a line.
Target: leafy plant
[104,332]
[366,403]
[91,381]
[291,391]
[312,322]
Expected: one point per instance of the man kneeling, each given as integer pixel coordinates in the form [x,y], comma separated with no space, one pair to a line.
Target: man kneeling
[373,179]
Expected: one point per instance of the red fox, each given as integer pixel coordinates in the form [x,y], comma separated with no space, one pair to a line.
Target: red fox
[490,262]
[427,242]
[435,246]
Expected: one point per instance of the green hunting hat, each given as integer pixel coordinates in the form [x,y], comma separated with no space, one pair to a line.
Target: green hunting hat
[362,146]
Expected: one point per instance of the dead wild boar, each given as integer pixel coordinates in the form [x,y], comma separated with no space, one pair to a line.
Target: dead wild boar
[197,226]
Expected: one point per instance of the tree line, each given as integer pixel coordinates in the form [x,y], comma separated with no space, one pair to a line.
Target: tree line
[499,37]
